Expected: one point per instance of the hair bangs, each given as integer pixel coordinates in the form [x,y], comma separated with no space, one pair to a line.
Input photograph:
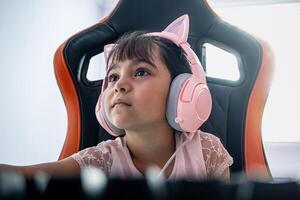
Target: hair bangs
[137,45]
[133,46]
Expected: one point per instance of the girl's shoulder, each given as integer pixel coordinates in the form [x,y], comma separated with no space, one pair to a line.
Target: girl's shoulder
[100,155]
[208,140]
[109,145]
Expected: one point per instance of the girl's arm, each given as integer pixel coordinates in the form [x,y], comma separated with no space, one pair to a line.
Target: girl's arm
[65,167]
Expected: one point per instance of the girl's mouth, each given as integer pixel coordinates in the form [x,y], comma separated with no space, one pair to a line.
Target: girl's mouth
[120,102]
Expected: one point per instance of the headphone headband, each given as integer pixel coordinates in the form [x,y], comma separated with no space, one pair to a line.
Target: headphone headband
[196,67]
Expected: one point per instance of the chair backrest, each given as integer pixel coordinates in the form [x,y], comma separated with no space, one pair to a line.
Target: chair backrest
[237,108]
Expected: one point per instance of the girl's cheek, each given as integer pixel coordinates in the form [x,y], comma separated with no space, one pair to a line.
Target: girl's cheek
[107,96]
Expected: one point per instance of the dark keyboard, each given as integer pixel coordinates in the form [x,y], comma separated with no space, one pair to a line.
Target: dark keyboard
[42,186]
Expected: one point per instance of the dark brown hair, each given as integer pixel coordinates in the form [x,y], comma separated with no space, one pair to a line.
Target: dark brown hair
[138,45]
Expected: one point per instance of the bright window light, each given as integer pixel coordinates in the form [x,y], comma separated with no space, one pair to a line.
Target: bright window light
[96,69]
[278,24]
[225,67]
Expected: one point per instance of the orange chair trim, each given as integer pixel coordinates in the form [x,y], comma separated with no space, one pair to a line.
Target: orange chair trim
[69,94]
[255,161]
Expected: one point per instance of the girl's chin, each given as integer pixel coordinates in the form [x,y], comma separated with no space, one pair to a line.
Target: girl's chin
[121,124]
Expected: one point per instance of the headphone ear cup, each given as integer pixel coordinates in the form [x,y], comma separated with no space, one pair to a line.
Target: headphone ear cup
[203,103]
[173,99]
[189,103]
[104,120]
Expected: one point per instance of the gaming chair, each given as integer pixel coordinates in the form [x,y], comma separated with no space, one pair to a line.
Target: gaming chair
[237,107]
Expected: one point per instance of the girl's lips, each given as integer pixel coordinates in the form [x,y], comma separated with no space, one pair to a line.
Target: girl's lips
[123,104]
[120,102]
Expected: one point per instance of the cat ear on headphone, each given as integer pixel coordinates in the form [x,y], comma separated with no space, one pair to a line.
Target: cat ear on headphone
[180,27]
[107,50]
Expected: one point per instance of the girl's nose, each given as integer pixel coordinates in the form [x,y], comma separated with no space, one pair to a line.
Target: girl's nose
[122,85]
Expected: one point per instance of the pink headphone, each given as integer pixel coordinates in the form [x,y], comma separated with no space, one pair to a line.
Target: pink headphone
[189,101]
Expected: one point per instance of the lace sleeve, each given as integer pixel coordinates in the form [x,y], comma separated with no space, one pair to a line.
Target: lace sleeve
[98,156]
[216,157]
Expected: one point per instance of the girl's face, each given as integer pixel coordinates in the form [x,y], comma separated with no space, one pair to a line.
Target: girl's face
[137,91]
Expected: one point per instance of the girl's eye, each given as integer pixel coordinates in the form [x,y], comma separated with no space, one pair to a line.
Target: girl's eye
[141,72]
[112,78]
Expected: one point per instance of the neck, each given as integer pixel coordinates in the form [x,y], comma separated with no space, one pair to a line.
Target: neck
[151,146]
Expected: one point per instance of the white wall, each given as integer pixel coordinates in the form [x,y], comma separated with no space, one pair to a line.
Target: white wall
[33,119]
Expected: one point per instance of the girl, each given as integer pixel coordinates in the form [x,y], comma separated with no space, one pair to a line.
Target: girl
[138,101]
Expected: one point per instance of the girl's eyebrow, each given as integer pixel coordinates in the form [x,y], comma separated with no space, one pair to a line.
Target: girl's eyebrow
[136,61]
[133,62]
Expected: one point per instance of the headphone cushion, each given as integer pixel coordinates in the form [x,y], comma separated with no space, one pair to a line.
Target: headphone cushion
[104,120]
[173,98]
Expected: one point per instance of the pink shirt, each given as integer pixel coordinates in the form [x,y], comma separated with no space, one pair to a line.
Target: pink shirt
[203,156]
